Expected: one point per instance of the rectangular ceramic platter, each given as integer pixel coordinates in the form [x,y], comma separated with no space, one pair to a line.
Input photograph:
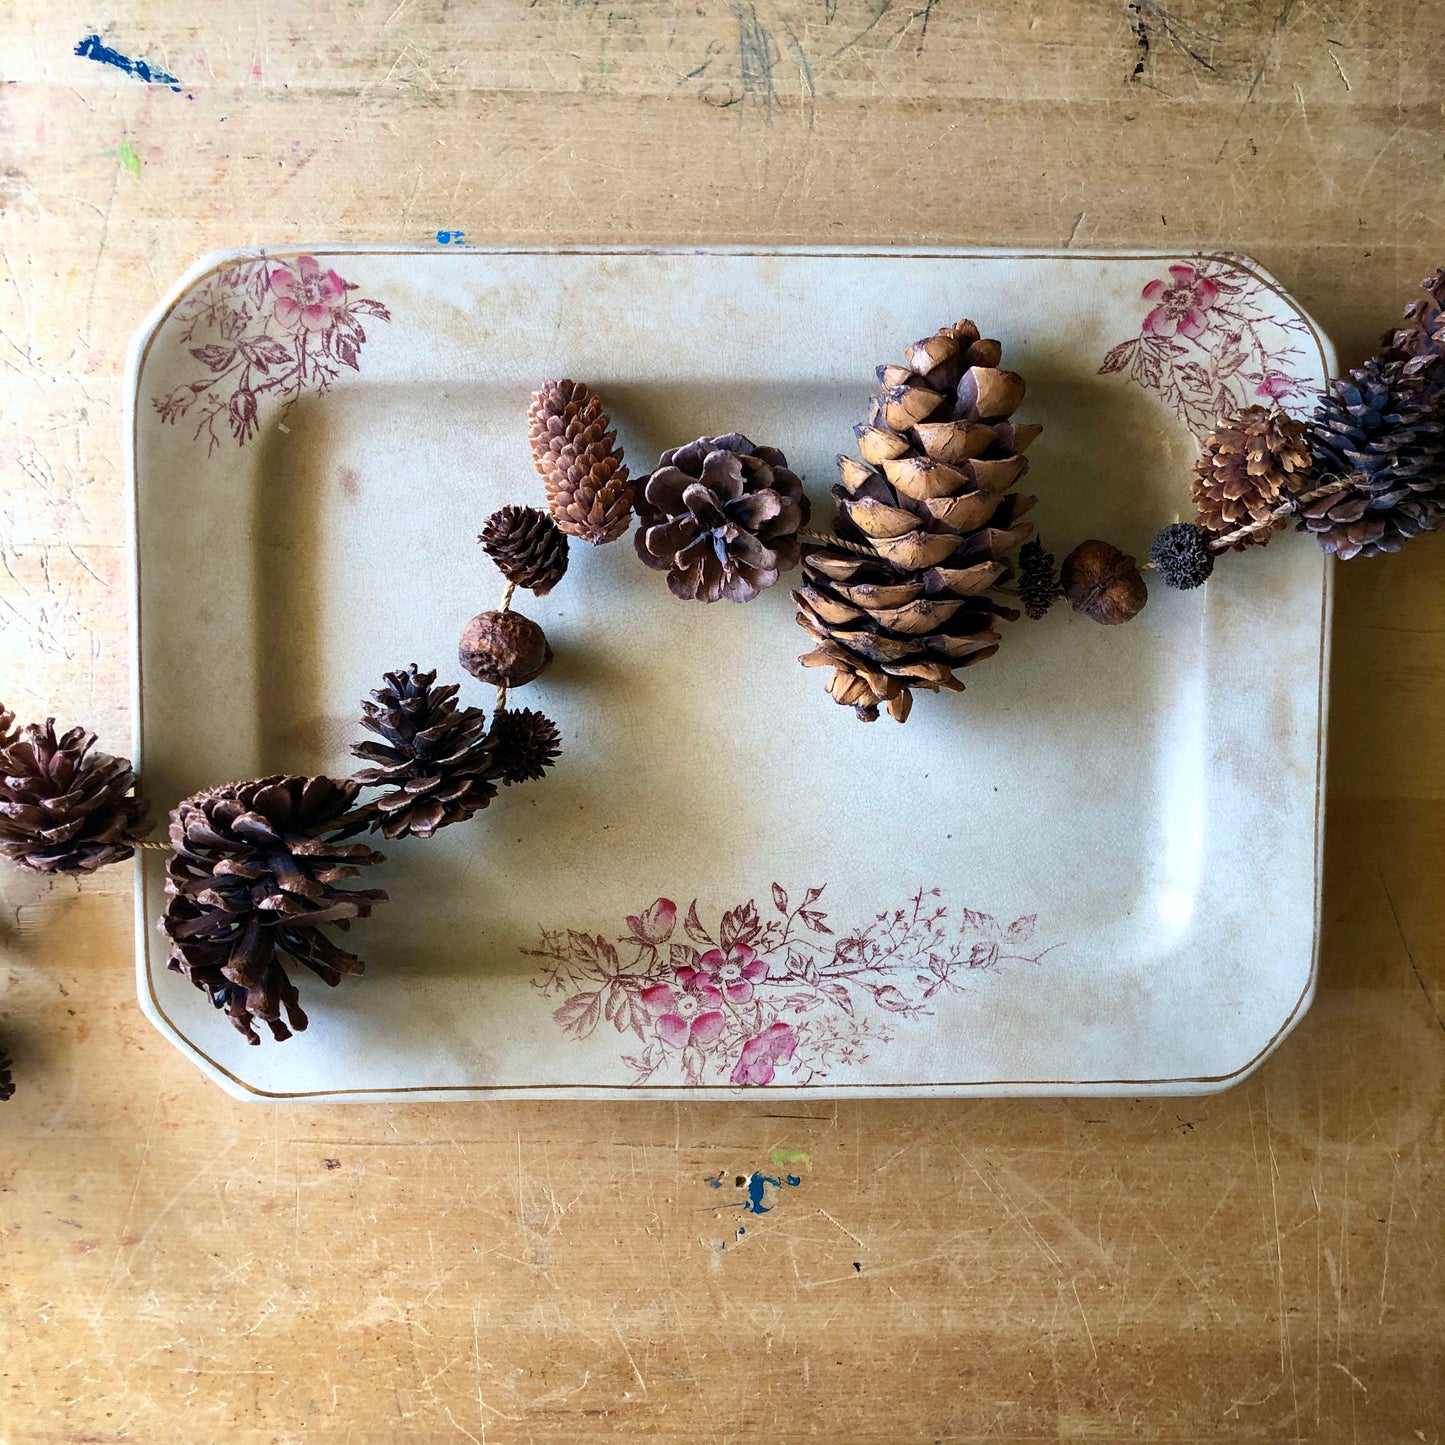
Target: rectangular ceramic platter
[1096,871]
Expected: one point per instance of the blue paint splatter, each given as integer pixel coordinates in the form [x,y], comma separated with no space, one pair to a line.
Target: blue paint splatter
[795,1180]
[713,1181]
[451,238]
[93,48]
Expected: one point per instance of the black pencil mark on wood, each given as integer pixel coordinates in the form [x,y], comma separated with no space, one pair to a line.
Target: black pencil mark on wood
[1149,20]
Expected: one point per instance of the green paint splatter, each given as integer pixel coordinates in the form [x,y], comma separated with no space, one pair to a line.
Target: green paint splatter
[792,1156]
[604,65]
[128,158]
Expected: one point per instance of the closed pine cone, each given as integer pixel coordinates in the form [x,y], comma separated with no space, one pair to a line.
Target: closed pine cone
[932,498]
[64,808]
[527,546]
[252,881]
[583,472]
[435,757]
[721,516]
[1381,427]
[1250,463]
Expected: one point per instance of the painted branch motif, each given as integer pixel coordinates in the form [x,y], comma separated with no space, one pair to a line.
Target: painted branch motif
[264,329]
[1212,342]
[768,995]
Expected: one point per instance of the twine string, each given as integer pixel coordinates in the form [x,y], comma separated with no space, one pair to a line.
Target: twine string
[505,607]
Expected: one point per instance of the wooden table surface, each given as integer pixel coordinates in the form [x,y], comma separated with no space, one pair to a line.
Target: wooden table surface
[1264,1265]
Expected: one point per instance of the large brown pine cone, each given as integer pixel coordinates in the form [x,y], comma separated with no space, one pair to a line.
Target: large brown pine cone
[254,880]
[1382,428]
[931,499]
[435,757]
[720,516]
[1250,463]
[583,472]
[528,547]
[64,808]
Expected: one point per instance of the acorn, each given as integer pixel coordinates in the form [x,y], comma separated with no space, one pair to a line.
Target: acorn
[504,649]
[1103,583]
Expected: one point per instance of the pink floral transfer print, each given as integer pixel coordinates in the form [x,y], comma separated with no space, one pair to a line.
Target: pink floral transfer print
[1214,339]
[773,996]
[262,329]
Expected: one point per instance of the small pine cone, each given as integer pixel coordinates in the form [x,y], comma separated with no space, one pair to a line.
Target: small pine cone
[63,808]
[582,468]
[7,1077]
[434,756]
[252,881]
[1250,464]
[1038,582]
[525,744]
[720,516]
[528,547]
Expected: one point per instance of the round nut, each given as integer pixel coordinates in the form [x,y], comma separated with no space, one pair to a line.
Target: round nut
[1103,583]
[504,649]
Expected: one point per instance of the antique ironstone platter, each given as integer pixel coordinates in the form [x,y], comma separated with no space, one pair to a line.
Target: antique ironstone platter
[1096,871]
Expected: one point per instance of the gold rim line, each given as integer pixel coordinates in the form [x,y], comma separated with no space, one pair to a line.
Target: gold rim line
[1267,283]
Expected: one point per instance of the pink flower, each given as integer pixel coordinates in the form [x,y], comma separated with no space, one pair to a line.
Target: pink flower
[733,973]
[1182,302]
[763,1052]
[1274,385]
[682,1020]
[655,926]
[307,296]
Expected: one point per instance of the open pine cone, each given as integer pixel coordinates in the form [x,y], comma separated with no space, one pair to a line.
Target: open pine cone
[254,880]
[583,473]
[530,550]
[1249,464]
[720,516]
[436,757]
[1419,345]
[932,499]
[1382,428]
[64,808]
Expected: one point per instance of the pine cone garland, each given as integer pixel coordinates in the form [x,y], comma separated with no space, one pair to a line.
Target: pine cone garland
[1383,429]
[582,468]
[1249,465]
[528,547]
[932,498]
[64,808]
[436,756]
[720,516]
[253,880]
[525,744]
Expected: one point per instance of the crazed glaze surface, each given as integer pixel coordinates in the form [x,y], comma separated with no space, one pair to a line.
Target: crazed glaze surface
[1146,797]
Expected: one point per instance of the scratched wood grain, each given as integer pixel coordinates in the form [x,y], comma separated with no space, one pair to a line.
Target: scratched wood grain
[1261,1266]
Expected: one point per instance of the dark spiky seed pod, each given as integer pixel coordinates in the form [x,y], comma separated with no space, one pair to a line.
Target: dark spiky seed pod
[434,757]
[1038,582]
[528,547]
[525,744]
[63,807]
[1180,554]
